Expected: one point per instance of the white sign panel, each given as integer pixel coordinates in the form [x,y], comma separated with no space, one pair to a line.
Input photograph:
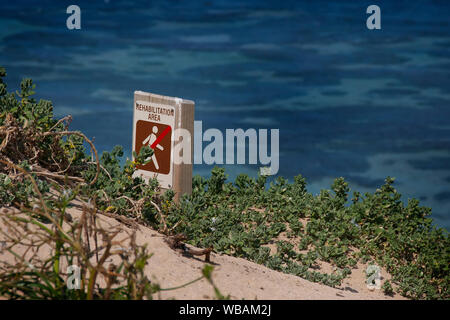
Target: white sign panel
[153,126]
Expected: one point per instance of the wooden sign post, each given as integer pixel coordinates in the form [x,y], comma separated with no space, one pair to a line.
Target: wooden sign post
[157,121]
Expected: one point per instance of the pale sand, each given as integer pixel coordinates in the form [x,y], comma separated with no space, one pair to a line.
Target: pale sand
[239,278]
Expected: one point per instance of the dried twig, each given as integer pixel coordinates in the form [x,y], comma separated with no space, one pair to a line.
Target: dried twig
[77,133]
[176,243]
[165,229]
[127,221]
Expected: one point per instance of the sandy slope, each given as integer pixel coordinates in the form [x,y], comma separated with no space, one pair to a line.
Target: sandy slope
[239,278]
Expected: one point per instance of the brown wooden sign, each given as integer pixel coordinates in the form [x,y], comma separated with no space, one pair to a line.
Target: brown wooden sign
[161,122]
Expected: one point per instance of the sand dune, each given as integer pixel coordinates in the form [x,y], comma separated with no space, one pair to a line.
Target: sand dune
[239,278]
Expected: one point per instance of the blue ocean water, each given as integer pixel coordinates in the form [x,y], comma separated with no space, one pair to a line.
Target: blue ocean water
[352,102]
